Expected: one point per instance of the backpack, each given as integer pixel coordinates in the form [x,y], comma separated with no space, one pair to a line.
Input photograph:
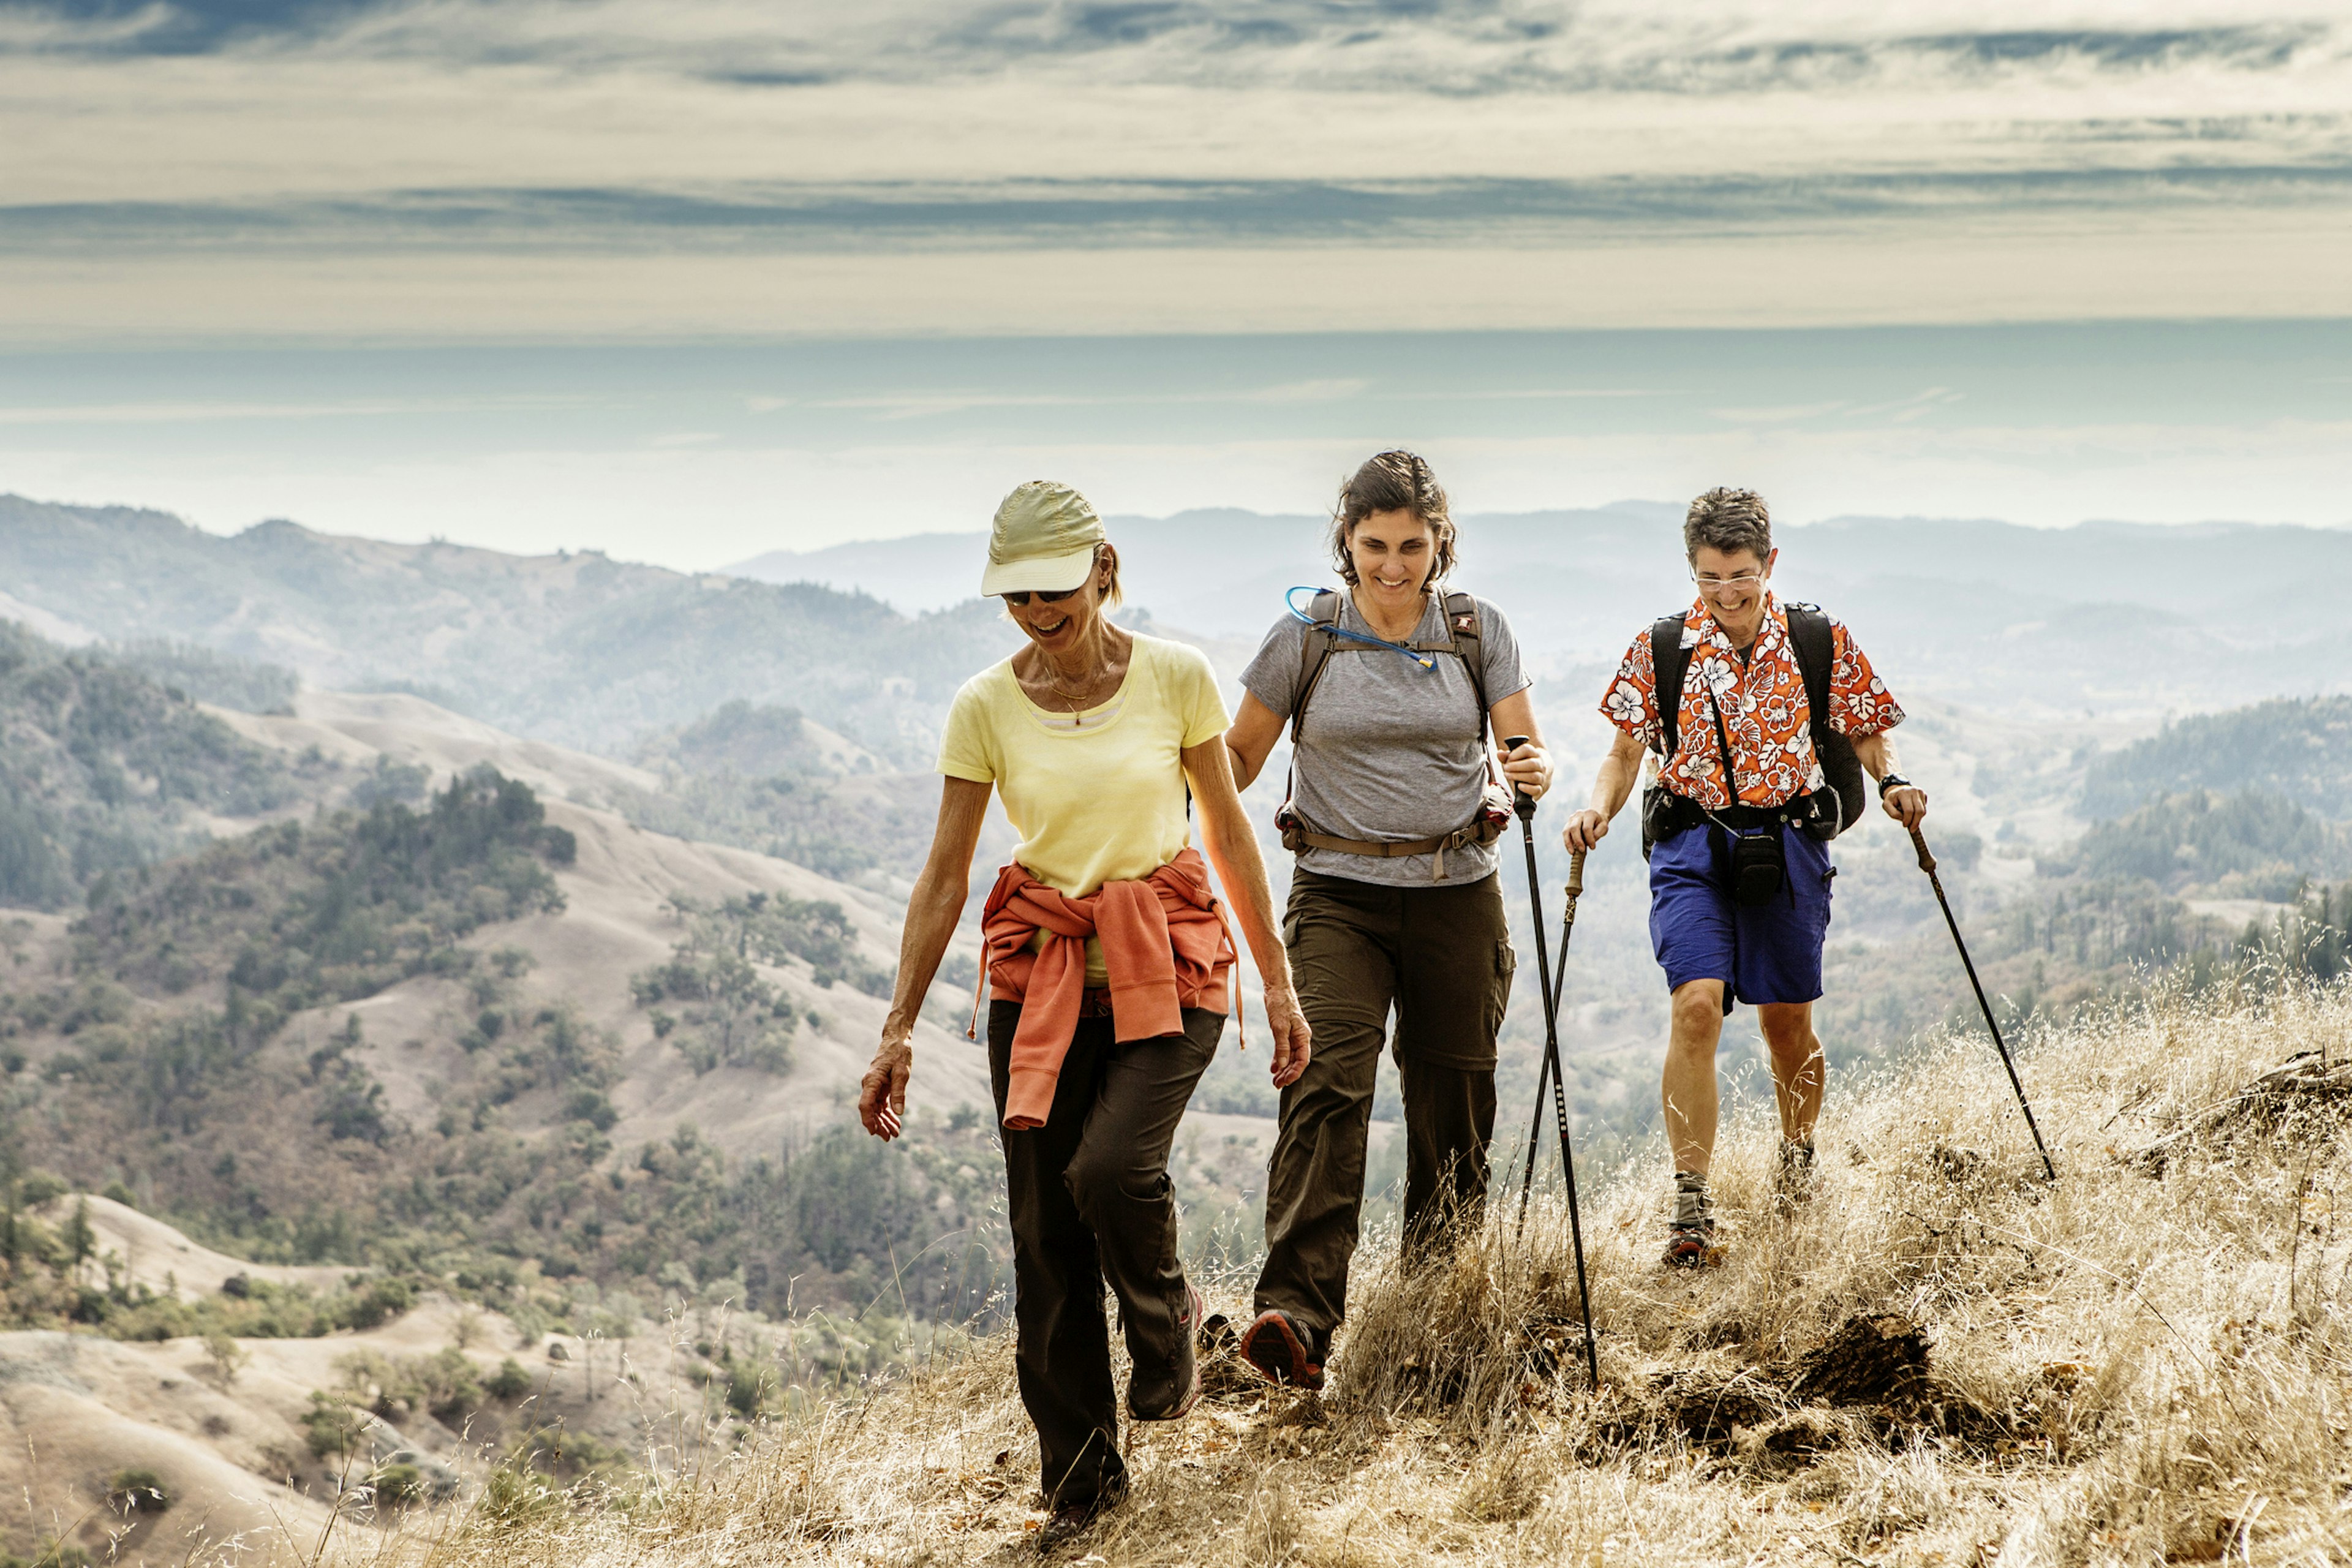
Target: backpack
[1463,643]
[1321,642]
[1811,640]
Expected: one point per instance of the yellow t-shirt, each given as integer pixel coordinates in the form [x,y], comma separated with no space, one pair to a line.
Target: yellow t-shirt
[1099,797]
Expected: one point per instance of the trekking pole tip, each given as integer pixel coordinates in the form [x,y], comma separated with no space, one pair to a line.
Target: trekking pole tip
[1927,861]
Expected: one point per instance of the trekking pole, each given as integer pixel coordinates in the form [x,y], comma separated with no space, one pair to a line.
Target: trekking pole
[1524,804]
[1543,1078]
[1927,864]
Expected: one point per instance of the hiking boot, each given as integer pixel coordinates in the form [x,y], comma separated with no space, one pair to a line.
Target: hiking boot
[1074,1520]
[1282,1350]
[1188,1330]
[1690,1226]
[1792,1182]
[1691,1245]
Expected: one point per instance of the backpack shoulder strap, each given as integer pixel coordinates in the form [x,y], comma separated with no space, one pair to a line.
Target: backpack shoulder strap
[1314,652]
[1810,638]
[1669,661]
[1461,626]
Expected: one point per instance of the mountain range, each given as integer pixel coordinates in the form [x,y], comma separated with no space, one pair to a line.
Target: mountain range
[574,649]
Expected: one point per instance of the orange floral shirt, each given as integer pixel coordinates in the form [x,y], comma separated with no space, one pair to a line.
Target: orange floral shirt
[1763,703]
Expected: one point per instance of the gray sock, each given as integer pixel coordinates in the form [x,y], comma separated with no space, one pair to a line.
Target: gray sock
[1691,1205]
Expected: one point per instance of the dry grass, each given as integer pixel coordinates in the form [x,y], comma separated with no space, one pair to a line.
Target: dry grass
[2142,1365]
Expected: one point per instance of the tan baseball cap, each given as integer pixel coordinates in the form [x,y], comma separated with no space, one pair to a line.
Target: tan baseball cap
[1042,541]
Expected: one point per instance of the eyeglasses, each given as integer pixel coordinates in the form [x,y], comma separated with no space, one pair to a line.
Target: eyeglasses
[1747,581]
[1021,600]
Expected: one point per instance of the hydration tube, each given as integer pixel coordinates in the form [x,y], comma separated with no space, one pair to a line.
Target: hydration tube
[1426,662]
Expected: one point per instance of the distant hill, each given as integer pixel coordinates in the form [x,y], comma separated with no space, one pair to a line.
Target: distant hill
[2298,749]
[580,649]
[104,768]
[2253,843]
[2046,621]
[870,639]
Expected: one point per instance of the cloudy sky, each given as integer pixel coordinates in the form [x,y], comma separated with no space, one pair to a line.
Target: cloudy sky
[689,279]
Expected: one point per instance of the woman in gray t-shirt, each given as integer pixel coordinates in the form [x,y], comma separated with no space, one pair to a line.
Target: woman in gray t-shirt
[1394,902]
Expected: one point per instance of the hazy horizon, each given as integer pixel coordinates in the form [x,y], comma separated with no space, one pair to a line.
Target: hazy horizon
[696,455]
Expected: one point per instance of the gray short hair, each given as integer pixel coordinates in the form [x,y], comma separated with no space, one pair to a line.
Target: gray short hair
[1729,520]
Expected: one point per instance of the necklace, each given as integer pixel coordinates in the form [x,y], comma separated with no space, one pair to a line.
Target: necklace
[1054,682]
[1077,708]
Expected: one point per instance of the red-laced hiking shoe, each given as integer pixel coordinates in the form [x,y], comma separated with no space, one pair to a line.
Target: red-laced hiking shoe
[1692,1245]
[1187,1329]
[1274,1345]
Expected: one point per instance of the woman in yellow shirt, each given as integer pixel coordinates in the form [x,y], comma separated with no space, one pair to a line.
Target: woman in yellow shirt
[1109,967]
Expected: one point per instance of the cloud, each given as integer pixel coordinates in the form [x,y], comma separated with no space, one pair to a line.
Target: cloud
[765,217]
[302,133]
[1440,46]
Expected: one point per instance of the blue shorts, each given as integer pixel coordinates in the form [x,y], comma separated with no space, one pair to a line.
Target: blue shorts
[1769,954]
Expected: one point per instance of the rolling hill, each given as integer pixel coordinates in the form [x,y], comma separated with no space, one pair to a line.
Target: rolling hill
[577,649]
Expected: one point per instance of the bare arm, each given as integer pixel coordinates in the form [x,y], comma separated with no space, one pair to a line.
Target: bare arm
[1906,803]
[1528,767]
[1612,785]
[933,910]
[1232,849]
[1251,741]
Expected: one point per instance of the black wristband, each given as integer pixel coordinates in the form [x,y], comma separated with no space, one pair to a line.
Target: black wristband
[1892,781]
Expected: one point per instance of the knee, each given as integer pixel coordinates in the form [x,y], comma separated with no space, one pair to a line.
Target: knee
[1789,1036]
[1698,1014]
[1101,1179]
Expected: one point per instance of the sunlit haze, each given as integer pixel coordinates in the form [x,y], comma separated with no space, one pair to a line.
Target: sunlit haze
[693,280]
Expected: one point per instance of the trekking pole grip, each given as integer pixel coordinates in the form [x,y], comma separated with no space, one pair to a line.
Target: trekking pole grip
[1576,874]
[1927,861]
[1521,800]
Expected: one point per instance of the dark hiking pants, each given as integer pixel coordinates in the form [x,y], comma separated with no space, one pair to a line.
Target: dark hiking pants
[1441,958]
[1091,1200]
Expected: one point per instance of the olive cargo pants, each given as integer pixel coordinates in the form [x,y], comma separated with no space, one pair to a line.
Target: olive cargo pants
[1442,957]
[1089,1198]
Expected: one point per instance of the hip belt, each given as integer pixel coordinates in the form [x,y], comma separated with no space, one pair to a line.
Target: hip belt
[1483,829]
[1665,812]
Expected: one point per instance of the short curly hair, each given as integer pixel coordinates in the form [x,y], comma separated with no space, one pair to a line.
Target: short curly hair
[1729,520]
[1394,481]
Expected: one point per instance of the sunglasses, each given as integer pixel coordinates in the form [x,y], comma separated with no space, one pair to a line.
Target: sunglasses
[1021,600]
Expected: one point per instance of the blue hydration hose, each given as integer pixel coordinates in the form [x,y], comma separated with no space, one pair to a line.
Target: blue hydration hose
[1426,661]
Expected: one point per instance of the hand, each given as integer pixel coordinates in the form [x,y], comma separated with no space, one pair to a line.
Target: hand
[1585,830]
[1528,769]
[1292,1038]
[882,1092]
[1906,804]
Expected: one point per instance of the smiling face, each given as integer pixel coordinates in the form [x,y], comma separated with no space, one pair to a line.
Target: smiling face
[1060,627]
[1731,584]
[1393,554]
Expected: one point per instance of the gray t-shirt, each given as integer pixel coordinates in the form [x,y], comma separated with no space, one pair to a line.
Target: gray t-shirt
[1389,752]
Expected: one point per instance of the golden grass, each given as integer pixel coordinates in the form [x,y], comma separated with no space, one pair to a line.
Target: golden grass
[2128,1368]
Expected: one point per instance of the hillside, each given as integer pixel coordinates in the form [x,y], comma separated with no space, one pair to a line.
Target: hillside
[271,1435]
[578,649]
[106,766]
[491,989]
[1937,1360]
[2301,749]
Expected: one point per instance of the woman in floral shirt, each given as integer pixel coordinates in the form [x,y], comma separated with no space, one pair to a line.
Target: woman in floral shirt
[1722,819]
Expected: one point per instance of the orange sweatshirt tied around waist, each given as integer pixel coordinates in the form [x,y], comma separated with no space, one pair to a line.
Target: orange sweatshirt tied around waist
[1165,948]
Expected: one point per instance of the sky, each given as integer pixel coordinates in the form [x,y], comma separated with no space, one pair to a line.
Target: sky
[690,279]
